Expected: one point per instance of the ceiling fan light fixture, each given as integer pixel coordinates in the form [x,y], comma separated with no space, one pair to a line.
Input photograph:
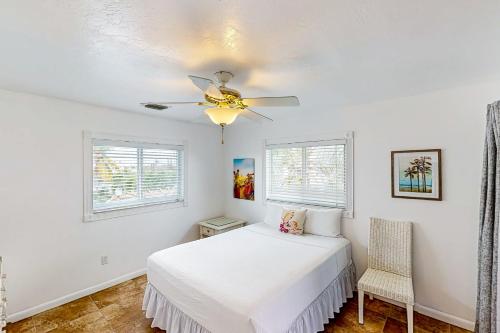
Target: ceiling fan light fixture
[223,116]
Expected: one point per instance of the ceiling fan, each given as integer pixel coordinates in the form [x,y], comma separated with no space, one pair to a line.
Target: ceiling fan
[224,104]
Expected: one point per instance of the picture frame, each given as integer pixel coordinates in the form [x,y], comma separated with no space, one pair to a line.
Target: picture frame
[244,178]
[416,174]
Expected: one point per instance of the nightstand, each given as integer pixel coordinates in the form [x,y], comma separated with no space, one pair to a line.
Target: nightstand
[219,225]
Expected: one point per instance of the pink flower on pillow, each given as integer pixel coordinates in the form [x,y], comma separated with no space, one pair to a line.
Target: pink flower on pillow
[292,221]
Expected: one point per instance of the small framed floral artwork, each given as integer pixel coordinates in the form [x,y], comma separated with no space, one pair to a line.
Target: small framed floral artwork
[416,174]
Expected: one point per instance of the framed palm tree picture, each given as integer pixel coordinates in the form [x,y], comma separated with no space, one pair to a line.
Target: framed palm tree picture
[416,174]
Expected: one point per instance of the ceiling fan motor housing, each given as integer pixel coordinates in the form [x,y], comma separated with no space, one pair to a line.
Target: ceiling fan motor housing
[232,98]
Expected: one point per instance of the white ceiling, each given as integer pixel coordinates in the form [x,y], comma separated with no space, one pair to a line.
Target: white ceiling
[121,53]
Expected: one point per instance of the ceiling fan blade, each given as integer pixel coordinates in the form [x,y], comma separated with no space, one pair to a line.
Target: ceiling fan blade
[174,103]
[272,101]
[254,116]
[207,86]
[153,106]
[160,106]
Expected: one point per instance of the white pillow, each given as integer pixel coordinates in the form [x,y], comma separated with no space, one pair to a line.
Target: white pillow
[323,222]
[273,215]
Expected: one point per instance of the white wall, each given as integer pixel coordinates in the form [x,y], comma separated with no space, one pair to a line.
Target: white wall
[49,252]
[445,233]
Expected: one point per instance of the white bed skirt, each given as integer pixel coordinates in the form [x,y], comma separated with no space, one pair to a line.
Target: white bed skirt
[168,317]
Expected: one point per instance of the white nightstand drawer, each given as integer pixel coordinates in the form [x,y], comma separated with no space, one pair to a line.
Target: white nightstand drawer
[207,231]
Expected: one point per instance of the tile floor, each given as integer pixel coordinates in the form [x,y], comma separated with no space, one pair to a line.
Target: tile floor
[118,309]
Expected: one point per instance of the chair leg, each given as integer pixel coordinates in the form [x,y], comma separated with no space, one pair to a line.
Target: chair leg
[409,314]
[361,298]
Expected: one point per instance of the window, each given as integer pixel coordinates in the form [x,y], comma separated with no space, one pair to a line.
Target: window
[128,174]
[315,173]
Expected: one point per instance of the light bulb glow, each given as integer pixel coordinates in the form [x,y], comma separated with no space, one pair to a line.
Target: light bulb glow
[221,116]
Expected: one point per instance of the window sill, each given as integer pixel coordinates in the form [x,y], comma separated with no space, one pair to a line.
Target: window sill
[127,211]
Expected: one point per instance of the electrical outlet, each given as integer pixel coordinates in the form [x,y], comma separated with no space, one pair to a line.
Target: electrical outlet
[104,260]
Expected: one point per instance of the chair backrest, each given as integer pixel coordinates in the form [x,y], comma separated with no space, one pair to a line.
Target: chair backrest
[390,246]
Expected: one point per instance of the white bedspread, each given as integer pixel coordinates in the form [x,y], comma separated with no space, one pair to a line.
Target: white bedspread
[253,279]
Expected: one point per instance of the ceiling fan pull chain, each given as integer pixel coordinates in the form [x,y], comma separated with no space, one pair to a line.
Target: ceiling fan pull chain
[222,136]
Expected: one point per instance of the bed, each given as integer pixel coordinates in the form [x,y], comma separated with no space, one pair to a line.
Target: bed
[253,279]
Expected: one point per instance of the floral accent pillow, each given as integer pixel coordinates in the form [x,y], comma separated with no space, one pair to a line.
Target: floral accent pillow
[292,221]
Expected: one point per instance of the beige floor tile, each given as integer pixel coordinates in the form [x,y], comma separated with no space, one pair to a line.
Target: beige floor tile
[58,317]
[394,326]
[23,326]
[429,324]
[118,309]
[454,329]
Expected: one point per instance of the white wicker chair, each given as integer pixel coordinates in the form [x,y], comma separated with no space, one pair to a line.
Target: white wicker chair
[389,265]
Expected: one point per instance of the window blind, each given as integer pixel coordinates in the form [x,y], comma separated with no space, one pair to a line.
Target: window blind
[132,174]
[312,173]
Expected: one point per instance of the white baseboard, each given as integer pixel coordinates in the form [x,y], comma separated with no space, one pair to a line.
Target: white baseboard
[446,317]
[71,297]
[436,314]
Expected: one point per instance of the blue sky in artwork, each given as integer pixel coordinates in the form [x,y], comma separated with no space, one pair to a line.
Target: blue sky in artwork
[245,165]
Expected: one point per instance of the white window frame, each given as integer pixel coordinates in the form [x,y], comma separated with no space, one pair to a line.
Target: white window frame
[89,213]
[348,139]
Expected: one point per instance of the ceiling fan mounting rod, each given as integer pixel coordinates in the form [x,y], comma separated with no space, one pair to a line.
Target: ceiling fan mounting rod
[223,77]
